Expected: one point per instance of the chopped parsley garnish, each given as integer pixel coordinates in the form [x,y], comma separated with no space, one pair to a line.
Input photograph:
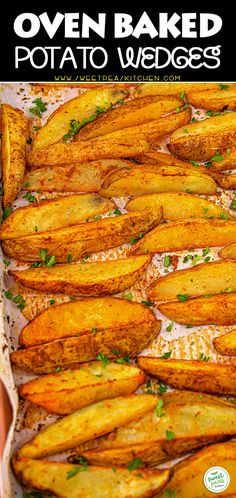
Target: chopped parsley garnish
[162,388]
[128,296]
[103,358]
[18,299]
[48,260]
[75,125]
[6,263]
[194,163]
[202,357]
[57,370]
[38,108]
[115,351]
[170,327]
[185,130]
[223,87]
[212,113]
[33,494]
[69,258]
[170,493]
[170,435]
[167,354]
[217,157]
[29,197]
[223,216]
[52,301]
[182,95]
[177,109]
[205,251]
[133,240]
[135,464]
[159,408]
[117,211]
[124,360]
[148,303]
[233,205]
[75,471]
[167,261]
[94,330]
[194,120]
[6,212]
[182,297]
[81,460]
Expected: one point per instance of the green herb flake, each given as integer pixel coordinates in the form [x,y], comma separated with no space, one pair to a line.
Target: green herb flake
[94,330]
[134,464]
[182,95]
[202,357]
[167,261]
[167,354]
[223,87]
[6,263]
[159,408]
[170,435]
[194,120]
[177,109]
[29,197]
[194,163]
[69,258]
[52,301]
[133,240]
[38,108]
[170,493]
[124,360]
[148,303]
[139,474]
[162,388]
[51,261]
[75,471]
[116,352]
[182,297]
[103,358]
[205,251]
[170,327]
[128,296]
[217,157]
[57,370]
[8,294]
[33,494]
[233,205]
[185,130]
[117,212]
[223,216]
[6,212]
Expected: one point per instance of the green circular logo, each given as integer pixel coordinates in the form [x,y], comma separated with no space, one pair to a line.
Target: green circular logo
[216,479]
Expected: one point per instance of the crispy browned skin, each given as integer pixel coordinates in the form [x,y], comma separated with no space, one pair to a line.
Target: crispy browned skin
[14,136]
[226,343]
[217,309]
[228,252]
[216,100]
[228,182]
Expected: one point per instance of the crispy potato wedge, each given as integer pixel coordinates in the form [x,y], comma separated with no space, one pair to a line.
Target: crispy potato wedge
[227,161]
[163,159]
[226,343]
[147,179]
[80,152]
[205,278]
[90,279]
[52,214]
[227,182]
[87,423]
[172,88]
[85,238]
[178,206]
[204,138]
[216,100]
[186,234]
[187,478]
[202,376]
[228,252]
[70,390]
[79,108]
[87,177]
[88,482]
[217,309]
[132,113]
[67,353]
[14,136]
[147,438]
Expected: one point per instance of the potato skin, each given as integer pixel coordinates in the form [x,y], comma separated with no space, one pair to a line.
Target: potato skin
[227,182]
[172,89]
[228,252]
[216,100]
[226,343]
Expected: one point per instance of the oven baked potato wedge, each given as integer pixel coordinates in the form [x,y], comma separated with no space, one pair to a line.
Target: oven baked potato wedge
[161,159]
[53,214]
[80,152]
[204,138]
[178,206]
[80,108]
[13,154]
[187,477]
[148,179]
[195,375]
[228,252]
[69,352]
[217,309]
[227,182]
[86,424]
[215,100]
[226,343]
[132,113]
[161,435]
[203,279]
[186,234]
[68,391]
[90,279]
[88,481]
[226,161]
[84,239]
[172,88]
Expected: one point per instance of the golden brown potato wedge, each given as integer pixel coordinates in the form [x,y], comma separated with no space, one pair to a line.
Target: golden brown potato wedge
[217,309]
[216,100]
[132,113]
[186,234]
[14,136]
[67,353]
[53,214]
[82,107]
[172,88]
[227,182]
[147,179]
[88,481]
[87,423]
[202,376]
[226,343]
[87,177]
[203,139]
[178,206]
[90,279]
[161,435]
[85,316]
[226,161]
[70,390]
[80,152]
[84,239]
[163,159]
[228,252]
[203,279]
[187,478]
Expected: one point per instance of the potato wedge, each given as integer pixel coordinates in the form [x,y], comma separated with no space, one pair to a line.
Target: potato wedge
[178,206]
[147,438]
[217,309]
[186,234]
[132,113]
[88,481]
[80,152]
[87,177]
[227,161]
[227,182]
[172,88]
[86,316]
[87,423]
[226,343]
[14,136]
[216,100]
[163,159]
[228,252]
[147,179]
[206,278]
[70,390]
[79,108]
[67,353]
[52,214]
[85,238]
[90,279]
[204,138]
[187,478]
[202,376]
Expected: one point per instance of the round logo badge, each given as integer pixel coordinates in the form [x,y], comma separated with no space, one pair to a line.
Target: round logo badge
[216,479]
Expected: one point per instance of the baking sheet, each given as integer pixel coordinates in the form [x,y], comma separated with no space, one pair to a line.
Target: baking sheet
[182,341]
